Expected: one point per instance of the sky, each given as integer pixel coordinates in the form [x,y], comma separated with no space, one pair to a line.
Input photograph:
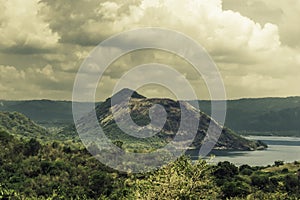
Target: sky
[254,43]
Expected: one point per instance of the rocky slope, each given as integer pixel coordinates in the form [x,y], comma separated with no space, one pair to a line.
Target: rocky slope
[139,112]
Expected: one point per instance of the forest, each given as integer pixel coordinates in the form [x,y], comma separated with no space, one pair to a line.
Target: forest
[32,168]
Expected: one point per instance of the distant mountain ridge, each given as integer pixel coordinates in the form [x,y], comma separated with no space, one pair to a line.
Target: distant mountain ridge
[278,116]
[45,112]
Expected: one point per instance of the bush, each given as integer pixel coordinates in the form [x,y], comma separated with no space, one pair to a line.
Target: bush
[5,137]
[100,183]
[32,147]
[278,163]
[291,183]
[246,170]
[225,170]
[261,181]
[236,189]
[285,170]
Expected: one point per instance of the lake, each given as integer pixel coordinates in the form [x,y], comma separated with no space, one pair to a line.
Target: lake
[279,148]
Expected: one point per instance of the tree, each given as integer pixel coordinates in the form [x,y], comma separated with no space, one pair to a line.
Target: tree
[236,189]
[291,183]
[278,163]
[260,180]
[179,180]
[100,183]
[118,143]
[225,170]
[32,147]
[245,170]
[5,137]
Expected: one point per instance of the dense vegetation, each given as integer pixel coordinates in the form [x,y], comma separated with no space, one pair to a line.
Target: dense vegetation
[35,169]
[262,116]
[21,125]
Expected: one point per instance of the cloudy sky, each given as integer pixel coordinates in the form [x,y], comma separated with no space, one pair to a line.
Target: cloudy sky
[255,43]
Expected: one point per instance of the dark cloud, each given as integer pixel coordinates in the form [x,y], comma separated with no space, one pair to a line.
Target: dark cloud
[82,22]
[19,49]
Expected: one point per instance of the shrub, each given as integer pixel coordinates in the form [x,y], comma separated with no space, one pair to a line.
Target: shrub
[236,188]
[32,147]
[225,170]
[260,181]
[278,163]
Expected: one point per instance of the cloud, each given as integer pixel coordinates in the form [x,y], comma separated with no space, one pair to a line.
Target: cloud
[34,83]
[283,13]
[22,29]
[203,20]
[253,42]
[86,22]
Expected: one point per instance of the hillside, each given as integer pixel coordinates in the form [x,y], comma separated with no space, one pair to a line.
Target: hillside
[262,116]
[44,112]
[19,124]
[139,111]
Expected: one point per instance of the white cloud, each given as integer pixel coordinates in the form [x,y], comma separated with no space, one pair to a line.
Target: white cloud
[257,56]
[10,73]
[48,72]
[22,29]
[35,83]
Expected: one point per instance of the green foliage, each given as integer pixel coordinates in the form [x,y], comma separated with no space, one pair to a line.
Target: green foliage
[267,116]
[245,170]
[35,169]
[225,171]
[291,183]
[278,163]
[19,124]
[260,181]
[32,147]
[118,143]
[100,183]
[236,189]
[178,180]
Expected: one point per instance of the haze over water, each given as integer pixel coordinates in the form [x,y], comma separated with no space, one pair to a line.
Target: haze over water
[279,148]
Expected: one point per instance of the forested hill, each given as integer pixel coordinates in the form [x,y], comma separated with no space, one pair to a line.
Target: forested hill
[19,124]
[269,116]
[44,112]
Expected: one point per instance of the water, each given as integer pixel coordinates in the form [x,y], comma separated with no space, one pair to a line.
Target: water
[279,148]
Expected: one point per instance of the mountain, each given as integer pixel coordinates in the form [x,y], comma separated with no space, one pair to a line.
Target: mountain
[19,124]
[139,107]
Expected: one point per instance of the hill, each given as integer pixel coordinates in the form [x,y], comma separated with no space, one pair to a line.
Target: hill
[44,112]
[262,116]
[139,111]
[19,124]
